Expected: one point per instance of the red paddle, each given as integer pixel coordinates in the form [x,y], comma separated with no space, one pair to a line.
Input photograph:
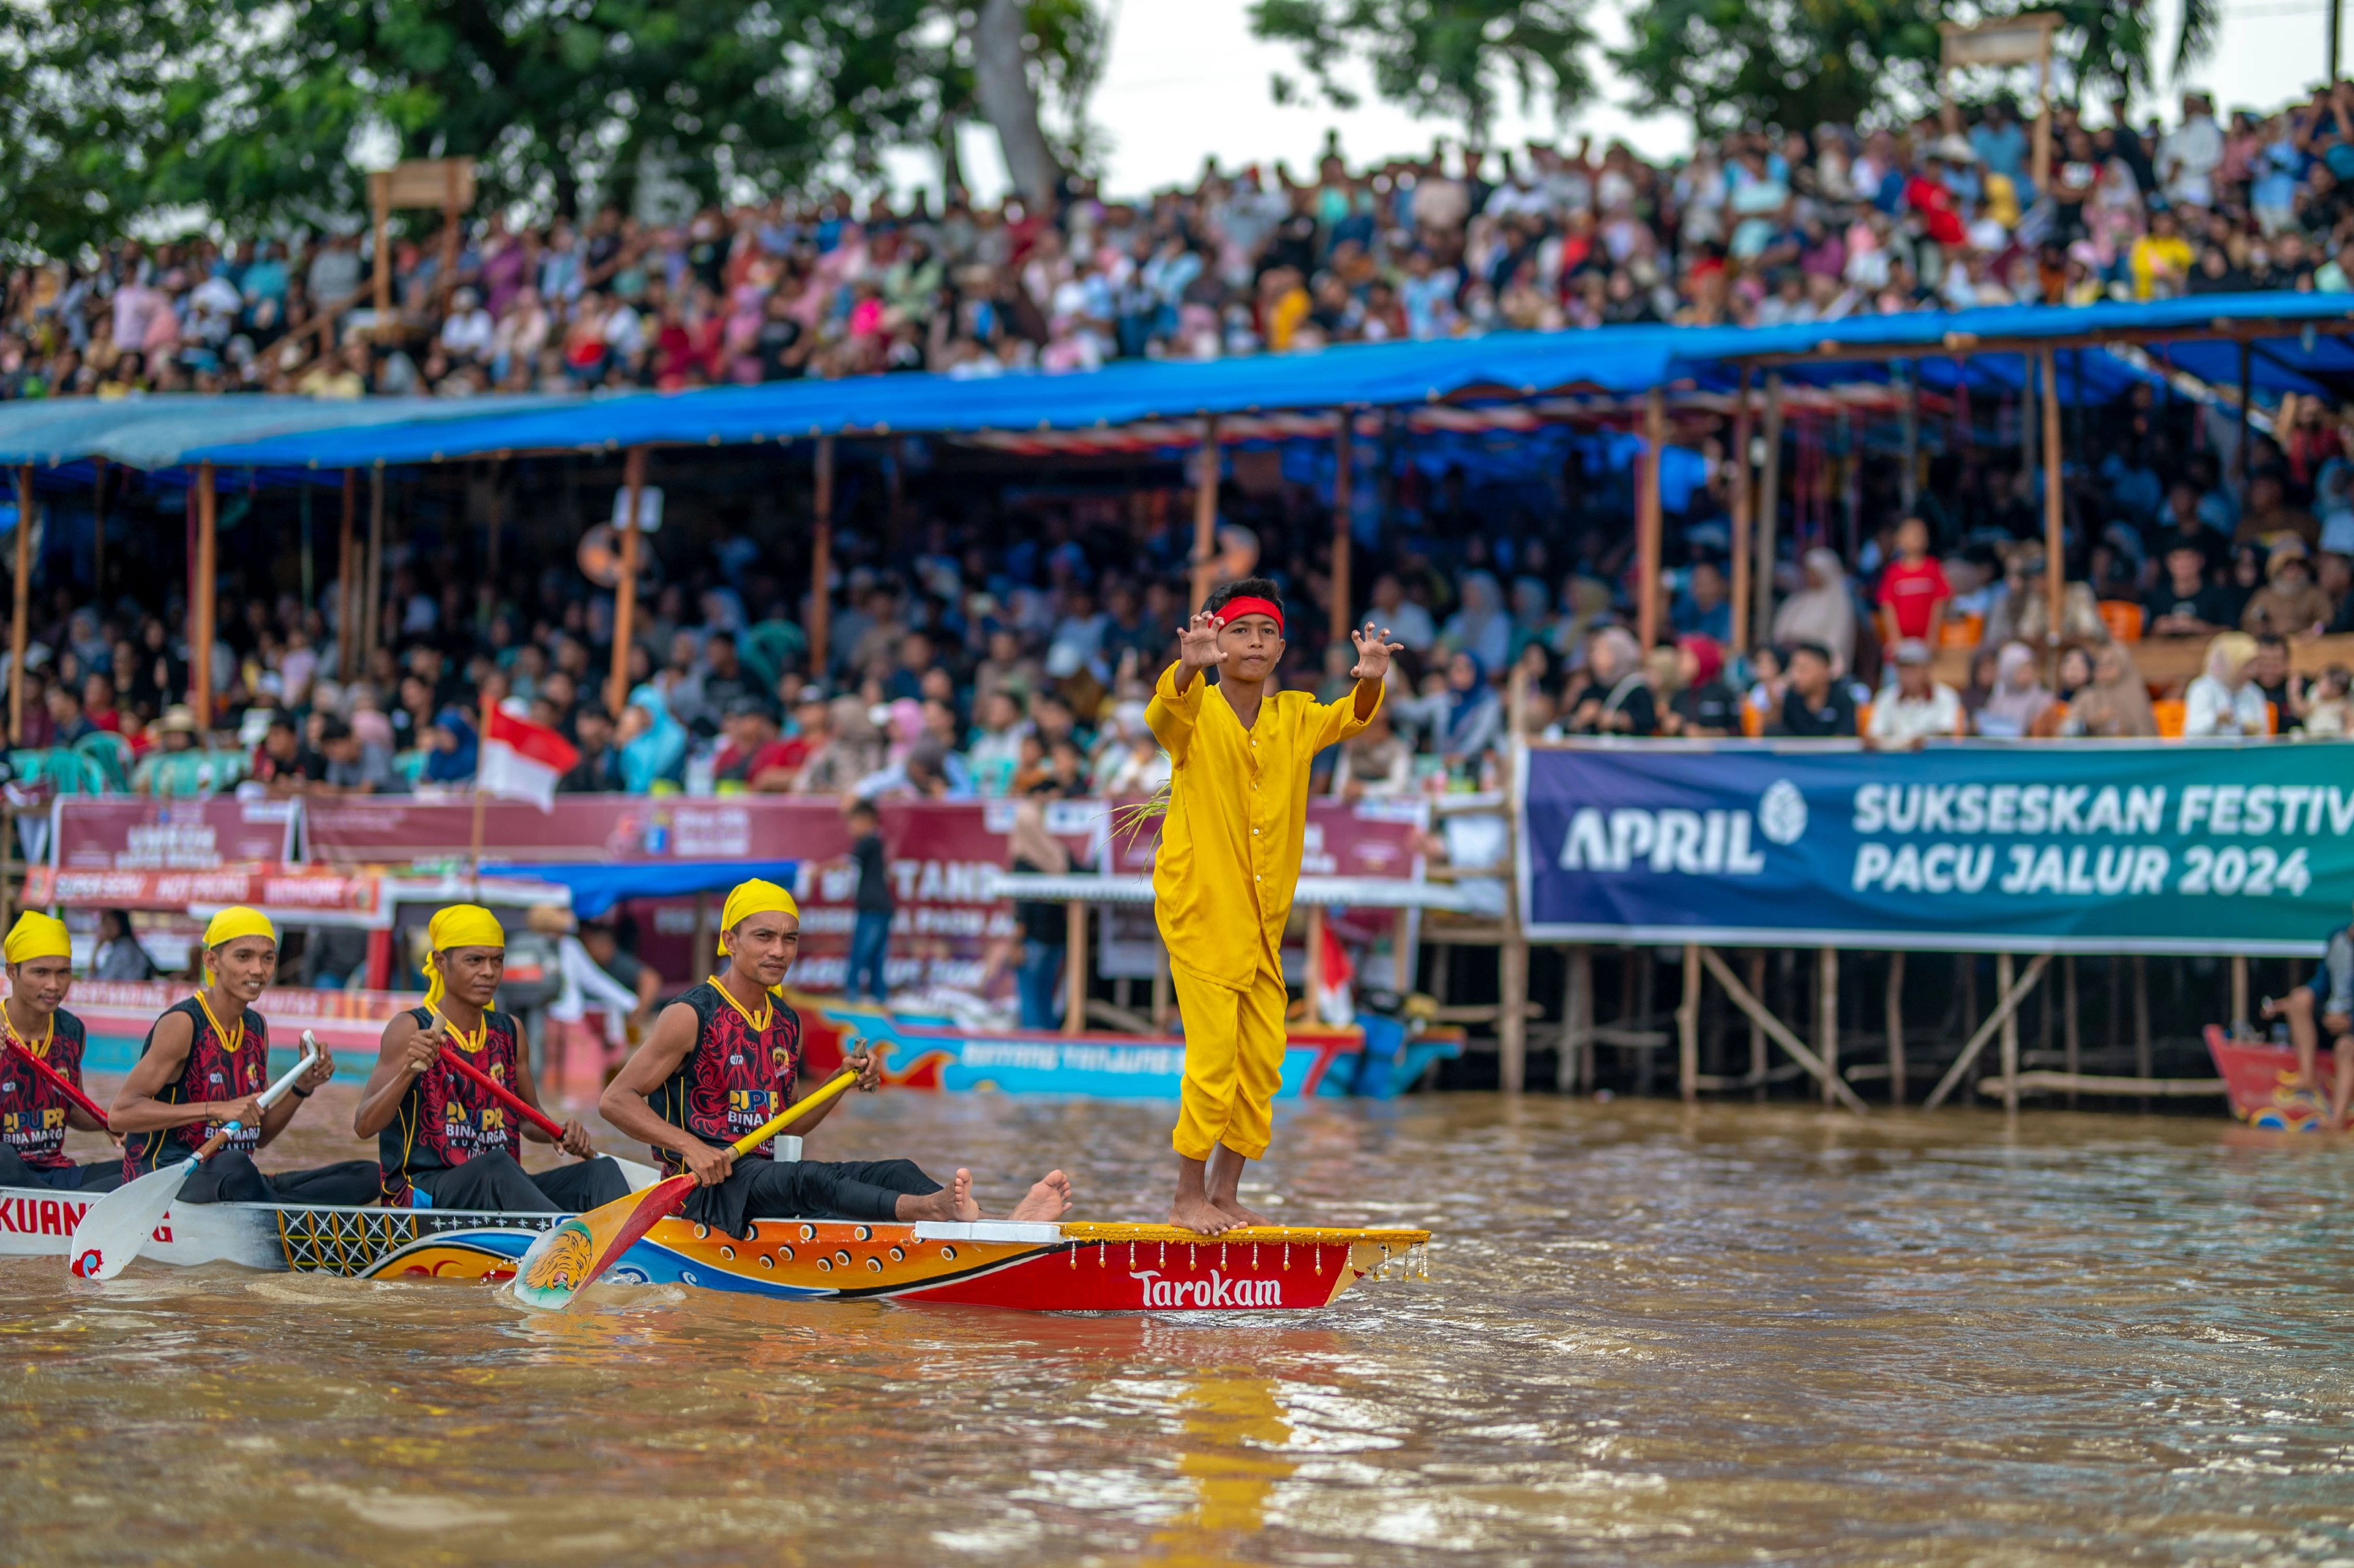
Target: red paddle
[61,1082]
[637,1175]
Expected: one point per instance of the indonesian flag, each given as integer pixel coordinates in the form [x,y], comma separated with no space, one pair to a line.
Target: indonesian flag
[522,760]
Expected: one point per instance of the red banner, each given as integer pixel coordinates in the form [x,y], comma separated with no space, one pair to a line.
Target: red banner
[382,830]
[284,890]
[90,834]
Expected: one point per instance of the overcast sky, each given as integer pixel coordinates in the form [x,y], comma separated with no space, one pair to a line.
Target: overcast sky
[1186,79]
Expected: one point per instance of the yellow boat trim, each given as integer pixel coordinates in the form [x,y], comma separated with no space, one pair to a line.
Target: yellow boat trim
[1299,1235]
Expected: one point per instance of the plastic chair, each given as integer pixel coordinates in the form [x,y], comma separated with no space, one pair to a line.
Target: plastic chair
[1752,723]
[2171,714]
[2272,719]
[1863,718]
[2123,617]
[1962,631]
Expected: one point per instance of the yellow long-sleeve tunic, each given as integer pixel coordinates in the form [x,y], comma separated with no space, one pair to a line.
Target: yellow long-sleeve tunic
[1237,822]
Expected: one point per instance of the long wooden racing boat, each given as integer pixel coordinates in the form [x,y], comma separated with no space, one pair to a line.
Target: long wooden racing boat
[2260,1077]
[1073,1266]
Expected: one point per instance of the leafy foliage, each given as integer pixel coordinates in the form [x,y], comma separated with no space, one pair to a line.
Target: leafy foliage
[1444,60]
[252,109]
[1792,63]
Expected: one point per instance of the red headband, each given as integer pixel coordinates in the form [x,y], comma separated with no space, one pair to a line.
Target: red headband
[1234,609]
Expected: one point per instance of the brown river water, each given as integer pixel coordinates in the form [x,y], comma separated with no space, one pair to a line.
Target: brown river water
[1741,1334]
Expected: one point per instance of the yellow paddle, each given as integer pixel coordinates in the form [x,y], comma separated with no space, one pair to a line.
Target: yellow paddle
[572,1255]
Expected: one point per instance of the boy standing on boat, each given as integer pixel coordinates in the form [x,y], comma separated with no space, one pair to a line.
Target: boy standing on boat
[1227,866]
[204,1064]
[440,1134]
[725,1057]
[35,1112]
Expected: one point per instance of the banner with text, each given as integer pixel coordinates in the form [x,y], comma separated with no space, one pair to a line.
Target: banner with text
[2039,846]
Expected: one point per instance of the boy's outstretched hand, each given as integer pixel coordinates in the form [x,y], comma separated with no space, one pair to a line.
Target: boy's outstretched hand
[1197,643]
[1374,652]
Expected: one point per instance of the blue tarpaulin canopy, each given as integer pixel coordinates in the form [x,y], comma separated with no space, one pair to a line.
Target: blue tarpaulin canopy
[598,885]
[2295,347]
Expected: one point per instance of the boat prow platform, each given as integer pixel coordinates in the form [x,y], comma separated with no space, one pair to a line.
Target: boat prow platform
[1067,1266]
[2260,1078]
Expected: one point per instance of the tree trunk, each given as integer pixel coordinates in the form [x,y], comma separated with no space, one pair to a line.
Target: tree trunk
[1001,71]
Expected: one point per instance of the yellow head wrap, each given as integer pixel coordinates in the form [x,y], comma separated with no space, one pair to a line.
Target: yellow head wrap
[236,921]
[750,898]
[37,936]
[459,925]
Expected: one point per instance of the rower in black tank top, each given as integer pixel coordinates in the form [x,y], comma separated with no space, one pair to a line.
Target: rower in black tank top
[726,1058]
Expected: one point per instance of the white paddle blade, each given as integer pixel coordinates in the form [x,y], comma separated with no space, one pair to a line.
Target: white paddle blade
[115,1227]
[638,1176]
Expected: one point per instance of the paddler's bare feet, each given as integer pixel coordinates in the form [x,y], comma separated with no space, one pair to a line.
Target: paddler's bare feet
[953,1202]
[1049,1199]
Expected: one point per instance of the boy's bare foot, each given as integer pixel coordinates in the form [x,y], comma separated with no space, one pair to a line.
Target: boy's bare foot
[960,1190]
[1049,1199]
[1192,1212]
[1242,1216]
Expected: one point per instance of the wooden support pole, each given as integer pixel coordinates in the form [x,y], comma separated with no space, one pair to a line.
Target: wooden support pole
[497,527]
[1648,521]
[202,617]
[1159,987]
[372,589]
[2243,458]
[2055,564]
[2041,153]
[1074,967]
[20,619]
[2072,1035]
[1206,515]
[1774,1026]
[2239,993]
[1315,957]
[1895,1011]
[2002,979]
[1512,960]
[1909,482]
[820,611]
[1344,461]
[1575,1070]
[1756,1029]
[625,591]
[347,624]
[98,531]
[1827,1007]
[1742,510]
[1402,976]
[2006,1008]
[2141,1016]
[1768,509]
[1688,1027]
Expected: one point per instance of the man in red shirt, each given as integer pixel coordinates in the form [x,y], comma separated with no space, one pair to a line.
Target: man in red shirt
[1914,590]
[753,752]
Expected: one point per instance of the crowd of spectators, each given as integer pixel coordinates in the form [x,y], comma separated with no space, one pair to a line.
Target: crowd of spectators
[1002,653]
[1757,226]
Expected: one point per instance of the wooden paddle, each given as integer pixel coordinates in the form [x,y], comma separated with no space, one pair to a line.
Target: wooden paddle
[61,1081]
[576,1253]
[635,1174]
[113,1229]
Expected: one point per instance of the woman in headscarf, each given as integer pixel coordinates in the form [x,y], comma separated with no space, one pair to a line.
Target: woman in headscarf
[1823,612]
[652,743]
[2116,704]
[1480,627]
[2019,697]
[450,749]
[1981,687]
[1704,704]
[1620,700]
[1473,716]
[2224,700]
[1586,601]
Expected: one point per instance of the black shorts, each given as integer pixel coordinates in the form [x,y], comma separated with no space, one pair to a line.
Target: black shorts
[807,1190]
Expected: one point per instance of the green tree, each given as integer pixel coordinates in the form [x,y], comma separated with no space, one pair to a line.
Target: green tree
[253,109]
[1446,59]
[1789,62]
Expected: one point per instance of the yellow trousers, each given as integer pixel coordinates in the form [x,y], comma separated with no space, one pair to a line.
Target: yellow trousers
[1234,1062]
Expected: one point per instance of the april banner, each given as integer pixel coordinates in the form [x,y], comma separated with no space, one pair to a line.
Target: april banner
[2045,846]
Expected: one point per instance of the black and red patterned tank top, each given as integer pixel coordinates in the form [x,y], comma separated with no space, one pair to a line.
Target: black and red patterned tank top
[446,1119]
[735,1077]
[217,1069]
[32,1108]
